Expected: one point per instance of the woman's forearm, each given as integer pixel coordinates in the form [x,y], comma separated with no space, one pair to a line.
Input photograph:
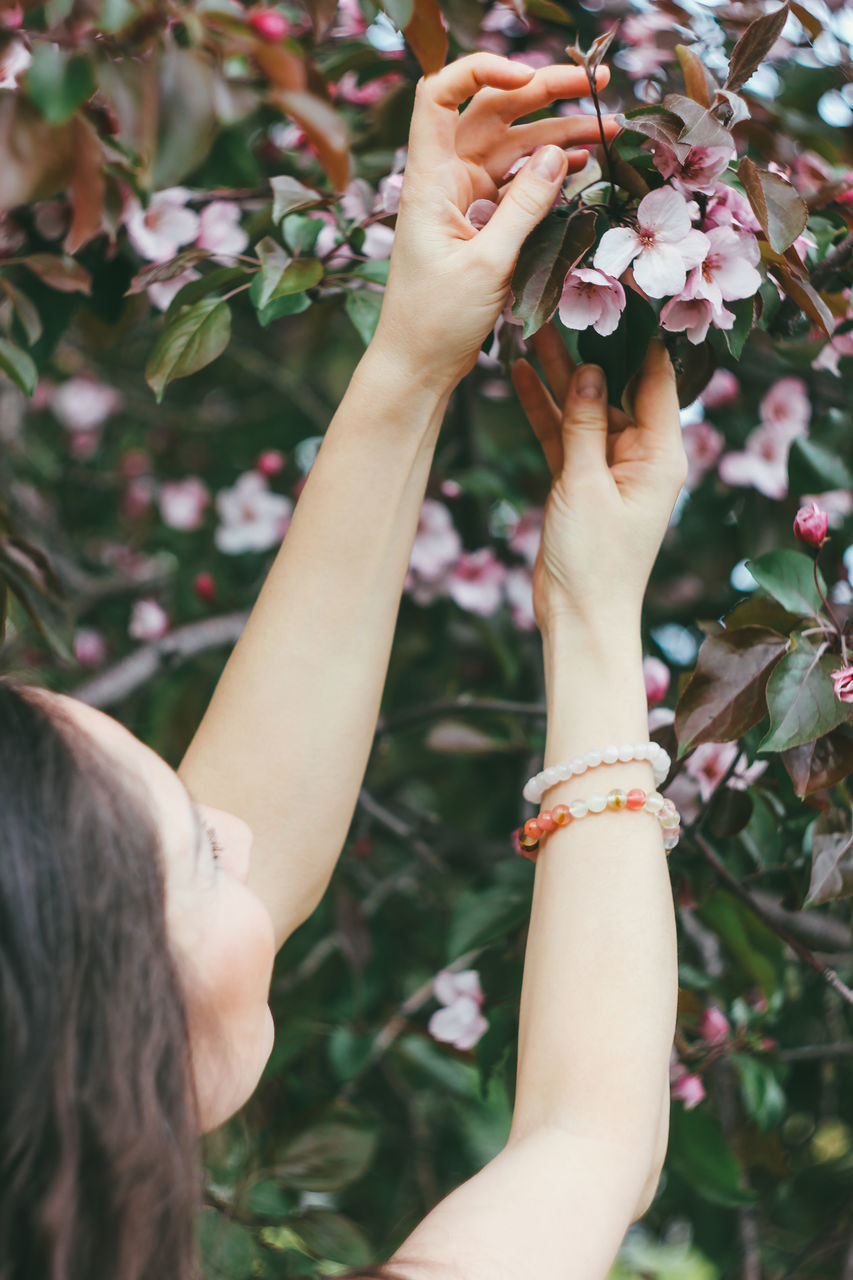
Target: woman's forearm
[286,738]
[600,978]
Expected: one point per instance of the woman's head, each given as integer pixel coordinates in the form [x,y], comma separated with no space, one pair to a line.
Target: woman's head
[133,982]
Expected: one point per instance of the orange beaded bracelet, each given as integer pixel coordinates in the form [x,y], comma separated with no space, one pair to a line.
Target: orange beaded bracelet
[528,838]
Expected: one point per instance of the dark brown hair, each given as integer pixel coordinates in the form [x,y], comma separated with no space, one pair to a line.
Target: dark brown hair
[99,1167]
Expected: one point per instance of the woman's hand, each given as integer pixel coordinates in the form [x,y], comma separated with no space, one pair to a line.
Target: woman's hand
[614,487]
[448,282]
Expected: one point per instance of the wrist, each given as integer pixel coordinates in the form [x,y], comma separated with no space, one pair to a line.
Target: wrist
[395,362]
[589,644]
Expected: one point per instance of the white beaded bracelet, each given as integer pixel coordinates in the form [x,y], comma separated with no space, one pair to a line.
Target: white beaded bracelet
[535,787]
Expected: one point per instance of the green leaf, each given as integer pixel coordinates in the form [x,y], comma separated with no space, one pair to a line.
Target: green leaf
[832,857]
[290,305]
[24,309]
[763,1096]
[376,270]
[699,1153]
[621,354]
[333,1238]
[399,11]
[363,307]
[725,696]
[776,203]
[58,83]
[801,698]
[789,577]
[18,366]
[196,289]
[327,1157]
[195,337]
[297,277]
[228,1249]
[757,950]
[190,92]
[744,313]
[300,231]
[290,194]
[813,467]
[548,254]
[264,1198]
[481,915]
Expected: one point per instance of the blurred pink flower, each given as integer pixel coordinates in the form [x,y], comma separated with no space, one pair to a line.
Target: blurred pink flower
[698,171]
[90,648]
[158,231]
[270,462]
[182,503]
[388,197]
[590,297]
[476,582]
[842,680]
[368,93]
[714,1026]
[703,445]
[656,676]
[810,525]
[527,534]
[787,405]
[220,231]
[832,351]
[204,586]
[663,248]
[378,241]
[51,218]
[723,389]
[14,61]
[519,594]
[84,404]
[148,621]
[763,464]
[269,23]
[837,503]
[350,20]
[251,517]
[708,764]
[163,292]
[138,496]
[436,548]
[460,1022]
[689,1089]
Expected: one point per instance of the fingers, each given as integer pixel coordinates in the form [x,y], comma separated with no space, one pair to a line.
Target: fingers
[557,365]
[549,84]
[435,117]
[524,203]
[542,413]
[656,408]
[561,131]
[584,421]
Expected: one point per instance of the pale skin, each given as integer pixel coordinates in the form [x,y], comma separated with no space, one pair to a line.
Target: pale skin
[283,746]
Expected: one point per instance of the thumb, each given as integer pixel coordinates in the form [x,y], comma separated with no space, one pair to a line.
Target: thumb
[524,204]
[585,420]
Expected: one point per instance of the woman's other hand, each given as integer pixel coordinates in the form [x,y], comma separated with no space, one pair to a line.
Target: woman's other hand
[448,282]
[615,483]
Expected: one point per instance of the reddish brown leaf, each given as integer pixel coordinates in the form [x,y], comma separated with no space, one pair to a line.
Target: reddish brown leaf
[777,205]
[820,764]
[87,189]
[695,370]
[427,35]
[157,272]
[695,76]
[63,274]
[754,45]
[725,696]
[281,67]
[326,130]
[813,25]
[762,611]
[322,14]
[36,158]
[806,297]
[832,857]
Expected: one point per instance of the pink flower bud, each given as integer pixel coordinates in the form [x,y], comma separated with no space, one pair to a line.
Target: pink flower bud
[148,621]
[270,462]
[842,680]
[204,585]
[810,525]
[690,1090]
[656,676]
[714,1026]
[269,23]
[90,648]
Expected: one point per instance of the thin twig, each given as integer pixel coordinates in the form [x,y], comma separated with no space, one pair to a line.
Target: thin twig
[816,1052]
[455,706]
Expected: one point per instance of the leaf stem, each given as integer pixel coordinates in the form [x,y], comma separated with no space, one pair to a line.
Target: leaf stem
[593,88]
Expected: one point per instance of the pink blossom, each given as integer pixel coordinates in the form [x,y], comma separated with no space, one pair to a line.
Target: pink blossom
[723,389]
[714,1026]
[590,297]
[350,20]
[270,462]
[138,496]
[787,405]
[269,23]
[378,241]
[388,197]
[842,681]
[727,272]
[698,171]
[148,621]
[90,648]
[182,503]
[84,404]
[476,582]
[689,1089]
[450,489]
[368,93]
[519,594]
[163,292]
[833,351]
[14,61]
[810,525]
[158,232]
[436,548]
[730,208]
[12,16]
[527,534]
[51,218]
[656,676]
[837,503]
[708,764]
[220,231]
[460,1022]
[763,464]
[691,314]
[703,445]
[663,248]
[204,586]
[251,517]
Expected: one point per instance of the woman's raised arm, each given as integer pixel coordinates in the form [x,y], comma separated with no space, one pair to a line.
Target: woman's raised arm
[285,740]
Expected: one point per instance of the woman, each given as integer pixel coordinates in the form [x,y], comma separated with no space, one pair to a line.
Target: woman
[137,935]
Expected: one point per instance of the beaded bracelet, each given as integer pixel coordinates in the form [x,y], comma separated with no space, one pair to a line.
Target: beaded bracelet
[563,814]
[535,787]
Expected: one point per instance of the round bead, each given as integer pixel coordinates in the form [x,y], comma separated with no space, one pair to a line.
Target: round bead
[550,776]
[578,765]
[578,808]
[529,846]
[597,802]
[626,752]
[641,751]
[654,802]
[635,798]
[546,820]
[560,814]
[592,759]
[532,828]
[610,755]
[669,821]
[530,791]
[564,771]
[617,799]
[670,840]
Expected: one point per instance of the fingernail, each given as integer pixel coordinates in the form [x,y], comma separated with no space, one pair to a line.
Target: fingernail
[590,383]
[547,163]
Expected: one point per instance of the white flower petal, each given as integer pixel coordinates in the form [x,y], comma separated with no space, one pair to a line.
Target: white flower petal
[618,248]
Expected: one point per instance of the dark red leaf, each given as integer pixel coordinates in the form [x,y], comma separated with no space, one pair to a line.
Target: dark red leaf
[725,696]
[777,205]
[814,766]
[754,45]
